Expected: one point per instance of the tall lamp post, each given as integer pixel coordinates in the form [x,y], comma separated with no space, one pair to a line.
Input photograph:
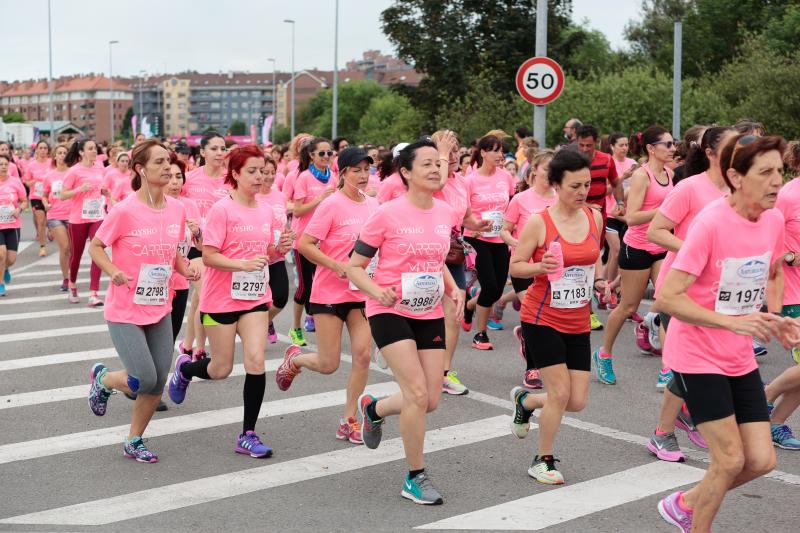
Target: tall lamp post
[50,76]
[335,114]
[111,85]
[274,93]
[290,21]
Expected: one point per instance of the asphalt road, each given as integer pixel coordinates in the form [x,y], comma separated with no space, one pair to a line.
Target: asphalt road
[62,469]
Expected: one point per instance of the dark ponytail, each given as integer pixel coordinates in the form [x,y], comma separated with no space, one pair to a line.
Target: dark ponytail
[639,141]
[487,144]
[73,156]
[697,160]
[386,165]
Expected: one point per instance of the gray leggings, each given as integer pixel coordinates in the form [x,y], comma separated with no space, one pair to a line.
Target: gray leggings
[146,353]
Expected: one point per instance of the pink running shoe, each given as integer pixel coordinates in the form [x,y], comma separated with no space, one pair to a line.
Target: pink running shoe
[684,422]
[350,430]
[532,379]
[642,339]
[521,340]
[636,317]
[671,511]
[287,371]
[665,447]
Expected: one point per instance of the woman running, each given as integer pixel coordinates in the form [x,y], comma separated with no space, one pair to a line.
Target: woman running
[278,275]
[536,194]
[327,242]
[238,241]
[6,150]
[143,232]
[83,185]
[669,229]
[391,185]
[314,184]
[490,188]
[13,202]
[714,292]
[639,259]
[404,307]
[117,180]
[58,210]
[35,173]
[555,312]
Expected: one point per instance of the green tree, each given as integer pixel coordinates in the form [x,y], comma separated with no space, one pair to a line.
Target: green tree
[283,134]
[238,127]
[13,117]
[316,117]
[125,132]
[389,119]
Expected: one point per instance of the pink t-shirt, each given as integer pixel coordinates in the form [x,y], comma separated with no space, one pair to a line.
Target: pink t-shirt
[117,183]
[373,185]
[279,181]
[238,232]
[140,235]
[337,222]
[789,204]
[681,205]
[59,209]
[705,252]
[636,236]
[179,282]
[89,206]
[456,194]
[390,188]
[11,194]
[204,190]
[488,197]
[36,172]
[277,201]
[13,170]
[525,204]
[288,185]
[306,189]
[410,241]
[622,167]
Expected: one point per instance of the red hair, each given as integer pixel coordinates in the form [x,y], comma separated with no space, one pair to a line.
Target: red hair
[237,159]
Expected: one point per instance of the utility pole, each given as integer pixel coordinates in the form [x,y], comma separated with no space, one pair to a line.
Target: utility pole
[50,76]
[540,111]
[676,81]
[335,114]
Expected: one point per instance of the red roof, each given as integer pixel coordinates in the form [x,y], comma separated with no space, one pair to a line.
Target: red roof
[83,83]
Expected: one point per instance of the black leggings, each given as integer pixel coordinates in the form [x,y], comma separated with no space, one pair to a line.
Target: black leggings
[178,310]
[279,284]
[491,263]
[305,275]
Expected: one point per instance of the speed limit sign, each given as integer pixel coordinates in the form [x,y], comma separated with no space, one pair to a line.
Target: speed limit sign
[540,80]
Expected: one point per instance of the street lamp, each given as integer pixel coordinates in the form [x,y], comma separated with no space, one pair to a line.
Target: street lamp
[335,114]
[111,86]
[141,104]
[272,130]
[50,76]
[290,21]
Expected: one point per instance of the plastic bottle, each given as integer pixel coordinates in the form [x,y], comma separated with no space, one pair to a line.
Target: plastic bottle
[555,249]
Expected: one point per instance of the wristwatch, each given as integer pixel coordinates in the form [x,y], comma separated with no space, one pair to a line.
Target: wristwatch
[789,258]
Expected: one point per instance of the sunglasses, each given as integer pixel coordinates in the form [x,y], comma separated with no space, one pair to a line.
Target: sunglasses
[323,153]
[667,144]
[741,143]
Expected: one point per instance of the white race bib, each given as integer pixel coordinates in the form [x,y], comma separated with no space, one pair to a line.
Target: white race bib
[249,285]
[183,246]
[497,223]
[93,208]
[373,264]
[152,287]
[38,188]
[7,214]
[573,289]
[422,292]
[55,188]
[742,285]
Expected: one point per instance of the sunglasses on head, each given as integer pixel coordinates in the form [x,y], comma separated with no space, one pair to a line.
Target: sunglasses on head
[667,144]
[323,153]
[741,143]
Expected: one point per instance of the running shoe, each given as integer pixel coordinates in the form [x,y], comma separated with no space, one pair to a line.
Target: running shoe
[466,322]
[782,437]
[42,251]
[452,385]
[248,443]
[521,341]
[466,326]
[310,326]
[600,301]
[543,469]
[684,423]
[94,300]
[481,341]
[371,430]
[758,348]
[177,383]
[72,296]
[497,311]
[297,337]
[494,324]
[272,336]
[98,393]
[7,277]
[349,430]
[671,511]
[135,449]
[287,371]
[663,379]
[199,353]
[420,490]
[532,379]
[521,419]
[652,323]
[636,317]
[378,359]
[594,322]
[642,340]
[796,355]
[2,289]
[666,448]
[64,286]
[183,350]
[604,368]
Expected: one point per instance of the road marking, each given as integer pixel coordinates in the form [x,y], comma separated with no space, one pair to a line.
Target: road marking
[57,359]
[53,284]
[209,489]
[85,440]
[11,300]
[574,501]
[45,273]
[47,314]
[50,260]
[60,332]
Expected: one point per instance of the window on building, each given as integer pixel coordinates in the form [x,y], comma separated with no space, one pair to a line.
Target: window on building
[214,105]
[234,105]
[181,105]
[215,94]
[167,105]
[181,95]
[234,116]
[245,105]
[182,116]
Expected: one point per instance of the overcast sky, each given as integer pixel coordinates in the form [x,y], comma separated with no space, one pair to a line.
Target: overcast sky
[208,36]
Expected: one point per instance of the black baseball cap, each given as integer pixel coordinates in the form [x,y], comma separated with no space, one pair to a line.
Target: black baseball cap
[353,155]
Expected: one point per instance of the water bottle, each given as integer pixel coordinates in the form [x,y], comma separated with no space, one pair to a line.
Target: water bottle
[555,249]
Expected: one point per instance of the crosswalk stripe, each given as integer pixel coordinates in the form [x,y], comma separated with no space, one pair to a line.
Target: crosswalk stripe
[50,333]
[46,273]
[47,314]
[13,300]
[158,427]
[57,359]
[53,284]
[161,499]
[557,506]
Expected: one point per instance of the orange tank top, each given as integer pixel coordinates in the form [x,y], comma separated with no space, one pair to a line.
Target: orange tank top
[537,306]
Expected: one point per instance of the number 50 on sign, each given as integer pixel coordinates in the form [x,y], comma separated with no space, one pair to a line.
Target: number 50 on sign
[540,80]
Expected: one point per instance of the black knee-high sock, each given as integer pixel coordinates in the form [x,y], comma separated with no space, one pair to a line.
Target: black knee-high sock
[196,369]
[253,394]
